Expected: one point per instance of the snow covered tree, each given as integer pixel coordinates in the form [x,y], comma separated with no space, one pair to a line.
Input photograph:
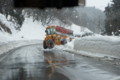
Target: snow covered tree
[7,9]
[112,11]
[45,16]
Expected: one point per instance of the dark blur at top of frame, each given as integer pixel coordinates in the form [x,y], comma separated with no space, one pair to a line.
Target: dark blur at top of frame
[48,3]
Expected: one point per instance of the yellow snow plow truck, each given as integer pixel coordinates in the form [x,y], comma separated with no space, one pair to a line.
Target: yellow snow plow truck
[56,35]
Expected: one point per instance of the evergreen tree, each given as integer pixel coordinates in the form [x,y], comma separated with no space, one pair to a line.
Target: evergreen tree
[113,18]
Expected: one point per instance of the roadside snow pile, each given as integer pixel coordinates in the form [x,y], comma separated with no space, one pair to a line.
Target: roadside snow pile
[98,37]
[5,47]
[4,37]
[98,46]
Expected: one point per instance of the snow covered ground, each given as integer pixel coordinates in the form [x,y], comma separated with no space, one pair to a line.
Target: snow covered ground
[30,31]
[99,46]
[33,32]
[96,46]
[5,47]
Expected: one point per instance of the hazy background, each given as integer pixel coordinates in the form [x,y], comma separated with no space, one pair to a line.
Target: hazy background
[101,4]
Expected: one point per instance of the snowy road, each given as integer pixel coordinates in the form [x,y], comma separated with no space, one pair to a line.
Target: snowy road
[33,63]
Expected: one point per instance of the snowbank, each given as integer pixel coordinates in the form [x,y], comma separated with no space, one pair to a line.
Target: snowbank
[98,46]
[5,47]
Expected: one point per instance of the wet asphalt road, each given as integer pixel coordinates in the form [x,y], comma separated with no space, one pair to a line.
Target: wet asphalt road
[33,63]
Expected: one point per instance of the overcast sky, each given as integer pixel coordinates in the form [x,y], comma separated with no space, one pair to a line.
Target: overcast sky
[101,4]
